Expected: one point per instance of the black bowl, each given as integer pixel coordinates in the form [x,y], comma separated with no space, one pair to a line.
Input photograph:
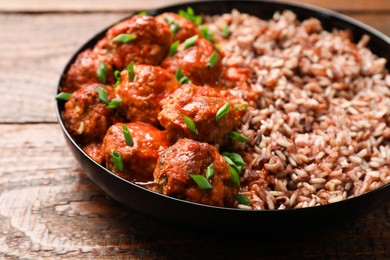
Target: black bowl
[179,212]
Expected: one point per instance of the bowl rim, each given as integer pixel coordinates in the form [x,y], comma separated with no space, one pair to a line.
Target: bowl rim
[309,7]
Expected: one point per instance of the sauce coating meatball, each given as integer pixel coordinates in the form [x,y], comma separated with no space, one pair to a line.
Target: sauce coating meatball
[86,116]
[150,46]
[185,157]
[195,63]
[142,96]
[200,104]
[84,72]
[139,160]
[181,28]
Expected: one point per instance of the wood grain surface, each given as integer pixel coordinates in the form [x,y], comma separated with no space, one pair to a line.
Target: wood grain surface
[50,210]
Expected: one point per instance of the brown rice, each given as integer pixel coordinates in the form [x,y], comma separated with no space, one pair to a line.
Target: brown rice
[320,131]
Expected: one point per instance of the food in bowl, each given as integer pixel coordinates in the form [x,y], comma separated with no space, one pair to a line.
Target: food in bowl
[232,110]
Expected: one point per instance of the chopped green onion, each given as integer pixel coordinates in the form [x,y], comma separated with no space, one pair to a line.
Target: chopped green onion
[174,28]
[225,31]
[114,103]
[217,46]
[179,73]
[174,25]
[181,78]
[213,59]
[142,13]
[201,181]
[190,124]
[185,80]
[127,134]
[124,38]
[130,71]
[117,77]
[242,107]
[101,72]
[206,33]
[64,96]
[102,95]
[234,158]
[234,177]
[173,48]
[238,137]
[242,199]
[190,15]
[210,171]
[190,41]
[222,111]
[117,159]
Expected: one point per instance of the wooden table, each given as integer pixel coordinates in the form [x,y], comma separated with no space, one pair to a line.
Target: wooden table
[50,209]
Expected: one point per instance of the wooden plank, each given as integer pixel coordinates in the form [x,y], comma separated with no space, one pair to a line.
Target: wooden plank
[125,5]
[49,209]
[34,55]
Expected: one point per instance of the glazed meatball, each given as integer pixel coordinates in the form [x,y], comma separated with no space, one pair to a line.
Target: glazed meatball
[181,28]
[84,72]
[194,62]
[200,105]
[86,116]
[150,46]
[174,166]
[139,160]
[94,151]
[142,96]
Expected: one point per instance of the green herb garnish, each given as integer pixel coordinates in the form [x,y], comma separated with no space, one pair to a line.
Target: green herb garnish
[210,171]
[173,48]
[190,42]
[201,181]
[213,59]
[242,199]
[130,71]
[235,158]
[225,31]
[114,103]
[117,159]
[124,38]
[206,33]
[235,161]
[222,111]
[234,177]
[181,78]
[142,13]
[127,134]
[64,96]
[190,15]
[117,78]
[101,72]
[241,107]
[102,95]
[238,137]
[190,124]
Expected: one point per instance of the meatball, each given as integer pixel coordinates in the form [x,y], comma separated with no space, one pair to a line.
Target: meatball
[94,151]
[84,72]
[150,46]
[195,63]
[181,28]
[200,105]
[139,160]
[86,116]
[185,157]
[142,97]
